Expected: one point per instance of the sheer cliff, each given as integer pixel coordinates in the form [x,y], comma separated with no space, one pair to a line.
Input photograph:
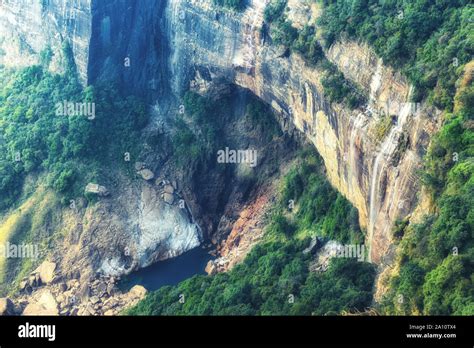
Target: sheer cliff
[162,48]
[378,175]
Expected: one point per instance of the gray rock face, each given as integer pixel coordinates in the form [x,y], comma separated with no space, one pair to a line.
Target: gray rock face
[127,44]
[212,46]
[109,38]
[27,27]
[161,48]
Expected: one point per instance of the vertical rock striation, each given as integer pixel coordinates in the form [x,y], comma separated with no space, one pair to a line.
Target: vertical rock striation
[28,27]
[175,44]
[377,175]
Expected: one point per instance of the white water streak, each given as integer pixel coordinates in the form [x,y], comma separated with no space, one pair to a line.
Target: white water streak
[387,148]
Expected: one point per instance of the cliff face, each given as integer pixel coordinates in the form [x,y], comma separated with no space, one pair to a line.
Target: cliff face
[173,45]
[28,27]
[127,45]
[377,175]
[117,40]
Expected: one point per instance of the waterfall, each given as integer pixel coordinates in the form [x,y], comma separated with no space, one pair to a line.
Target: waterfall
[388,146]
[248,57]
[357,125]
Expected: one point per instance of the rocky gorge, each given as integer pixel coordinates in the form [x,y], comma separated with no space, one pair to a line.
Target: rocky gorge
[178,45]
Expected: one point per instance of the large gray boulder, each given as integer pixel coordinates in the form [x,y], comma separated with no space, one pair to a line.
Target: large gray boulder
[46,272]
[146,174]
[42,303]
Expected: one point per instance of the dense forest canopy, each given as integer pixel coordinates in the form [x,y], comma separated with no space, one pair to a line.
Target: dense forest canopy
[70,148]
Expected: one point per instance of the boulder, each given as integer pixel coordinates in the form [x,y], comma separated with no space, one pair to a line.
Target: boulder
[168,198]
[90,310]
[137,291]
[211,268]
[84,292]
[46,272]
[146,174]
[101,289]
[313,247]
[6,307]
[23,284]
[72,283]
[110,289]
[62,287]
[32,280]
[139,166]
[169,189]
[61,298]
[43,303]
[96,189]
[64,312]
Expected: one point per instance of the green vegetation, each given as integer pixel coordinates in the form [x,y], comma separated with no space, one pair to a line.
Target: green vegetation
[382,127]
[437,255]
[304,42]
[283,33]
[276,270]
[340,90]
[199,129]
[429,41]
[57,150]
[308,46]
[319,207]
[260,115]
[238,5]
[275,11]
[33,223]
[71,149]
[200,141]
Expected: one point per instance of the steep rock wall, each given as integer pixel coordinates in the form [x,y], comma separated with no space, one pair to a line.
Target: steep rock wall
[127,45]
[112,40]
[27,27]
[379,176]
[171,43]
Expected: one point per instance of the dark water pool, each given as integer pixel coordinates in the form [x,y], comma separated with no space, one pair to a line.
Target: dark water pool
[169,272]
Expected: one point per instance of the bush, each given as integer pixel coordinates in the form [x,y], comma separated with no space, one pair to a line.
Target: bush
[308,46]
[238,5]
[340,90]
[274,10]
